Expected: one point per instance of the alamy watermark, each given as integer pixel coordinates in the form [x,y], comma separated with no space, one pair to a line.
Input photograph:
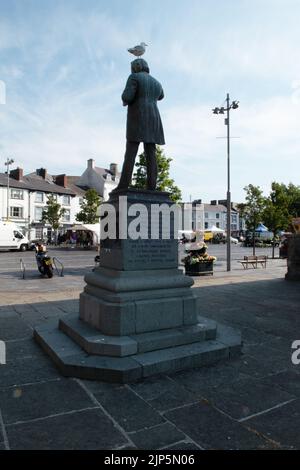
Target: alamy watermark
[144,221]
[2,353]
[296,354]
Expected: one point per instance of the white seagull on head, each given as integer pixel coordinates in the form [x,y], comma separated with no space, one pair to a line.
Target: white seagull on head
[138,50]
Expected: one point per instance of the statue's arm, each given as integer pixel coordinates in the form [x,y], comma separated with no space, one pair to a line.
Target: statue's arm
[162,95]
[129,93]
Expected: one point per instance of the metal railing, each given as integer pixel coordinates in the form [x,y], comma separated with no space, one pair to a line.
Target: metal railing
[23,268]
[56,260]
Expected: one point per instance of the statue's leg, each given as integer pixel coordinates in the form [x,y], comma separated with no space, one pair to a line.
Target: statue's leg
[150,152]
[128,165]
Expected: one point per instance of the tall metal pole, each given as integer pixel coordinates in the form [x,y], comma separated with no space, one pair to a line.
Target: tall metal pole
[228,188]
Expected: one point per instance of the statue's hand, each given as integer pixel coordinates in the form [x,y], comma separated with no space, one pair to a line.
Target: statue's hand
[124,104]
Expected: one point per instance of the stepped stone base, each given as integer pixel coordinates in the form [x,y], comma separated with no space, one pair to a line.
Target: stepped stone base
[138,313]
[207,344]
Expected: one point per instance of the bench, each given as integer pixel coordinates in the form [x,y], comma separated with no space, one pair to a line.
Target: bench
[254,261]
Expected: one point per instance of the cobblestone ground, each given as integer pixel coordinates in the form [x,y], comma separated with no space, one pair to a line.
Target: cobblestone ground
[252,402]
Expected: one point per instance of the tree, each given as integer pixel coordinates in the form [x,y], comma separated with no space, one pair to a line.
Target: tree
[252,209]
[276,212]
[89,206]
[53,213]
[164,182]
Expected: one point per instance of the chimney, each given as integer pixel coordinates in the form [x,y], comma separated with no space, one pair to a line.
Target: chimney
[91,163]
[17,174]
[42,172]
[113,168]
[62,180]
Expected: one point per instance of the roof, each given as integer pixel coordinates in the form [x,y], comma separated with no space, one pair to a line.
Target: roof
[72,184]
[104,172]
[33,182]
[216,208]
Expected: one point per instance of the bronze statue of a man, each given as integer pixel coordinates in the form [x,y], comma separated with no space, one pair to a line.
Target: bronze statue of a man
[141,94]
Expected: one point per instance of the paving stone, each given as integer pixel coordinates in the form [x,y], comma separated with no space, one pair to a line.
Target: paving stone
[82,430]
[183,446]
[213,430]
[4,314]
[23,349]
[199,380]
[288,381]
[258,367]
[157,437]
[255,336]
[246,397]
[95,386]
[163,393]
[131,412]
[280,424]
[58,396]
[33,318]
[24,371]
[13,328]
[275,355]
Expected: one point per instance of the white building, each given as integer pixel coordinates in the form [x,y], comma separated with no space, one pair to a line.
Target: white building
[28,198]
[215,214]
[28,195]
[101,179]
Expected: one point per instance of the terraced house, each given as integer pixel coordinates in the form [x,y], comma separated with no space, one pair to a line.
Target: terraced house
[26,195]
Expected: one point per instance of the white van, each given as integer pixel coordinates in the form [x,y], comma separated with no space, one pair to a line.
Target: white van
[11,237]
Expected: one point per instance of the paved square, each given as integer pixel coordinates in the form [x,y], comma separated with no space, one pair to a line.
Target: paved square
[251,402]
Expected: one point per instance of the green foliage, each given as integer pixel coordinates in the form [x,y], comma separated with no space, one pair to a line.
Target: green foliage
[53,213]
[89,206]
[276,214]
[251,211]
[164,182]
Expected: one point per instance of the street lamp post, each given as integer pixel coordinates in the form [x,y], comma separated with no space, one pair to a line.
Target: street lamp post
[8,162]
[221,110]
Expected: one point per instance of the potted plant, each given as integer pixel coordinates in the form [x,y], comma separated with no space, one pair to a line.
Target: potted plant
[198,261]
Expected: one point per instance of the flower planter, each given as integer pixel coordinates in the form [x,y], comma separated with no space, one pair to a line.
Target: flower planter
[199,269]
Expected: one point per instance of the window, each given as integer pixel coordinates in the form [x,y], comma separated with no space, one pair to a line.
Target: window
[66,200]
[38,214]
[206,225]
[67,216]
[206,215]
[16,212]
[218,224]
[217,215]
[18,235]
[16,194]
[39,197]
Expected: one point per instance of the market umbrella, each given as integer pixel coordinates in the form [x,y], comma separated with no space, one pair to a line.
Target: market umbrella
[261,228]
[214,229]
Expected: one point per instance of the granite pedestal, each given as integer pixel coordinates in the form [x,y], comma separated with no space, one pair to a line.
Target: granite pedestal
[138,314]
[293,261]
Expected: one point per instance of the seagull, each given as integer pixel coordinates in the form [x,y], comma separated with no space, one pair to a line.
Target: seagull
[138,50]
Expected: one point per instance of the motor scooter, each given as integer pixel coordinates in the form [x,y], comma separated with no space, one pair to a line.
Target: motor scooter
[44,261]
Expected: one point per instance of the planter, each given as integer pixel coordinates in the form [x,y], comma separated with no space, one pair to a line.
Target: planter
[199,269]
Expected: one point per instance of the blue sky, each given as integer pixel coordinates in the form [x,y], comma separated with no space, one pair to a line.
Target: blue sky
[65,64]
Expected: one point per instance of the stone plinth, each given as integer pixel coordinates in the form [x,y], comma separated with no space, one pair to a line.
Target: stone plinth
[293,261]
[138,314]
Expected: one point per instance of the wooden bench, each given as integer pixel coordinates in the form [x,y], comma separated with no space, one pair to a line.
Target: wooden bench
[254,261]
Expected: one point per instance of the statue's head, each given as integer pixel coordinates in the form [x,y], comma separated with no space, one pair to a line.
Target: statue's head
[139,65]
